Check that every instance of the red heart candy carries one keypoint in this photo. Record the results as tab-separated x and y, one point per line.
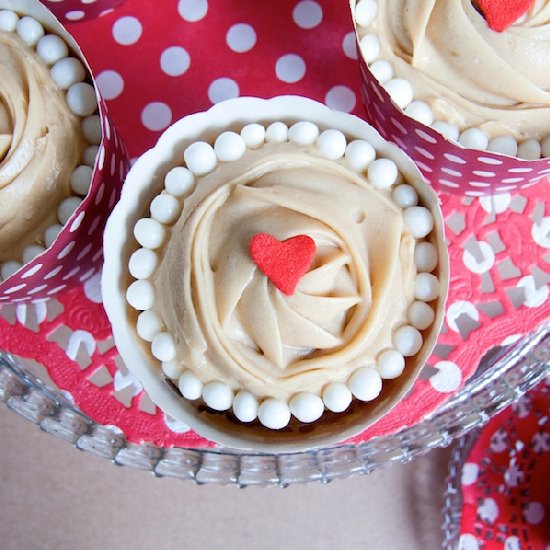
500	14
284	262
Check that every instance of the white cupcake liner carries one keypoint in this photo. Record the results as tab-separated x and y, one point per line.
145	181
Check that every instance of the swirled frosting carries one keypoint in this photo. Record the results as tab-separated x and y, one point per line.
230	324
40	145
468	73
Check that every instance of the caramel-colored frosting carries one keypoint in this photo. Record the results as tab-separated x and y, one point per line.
468	73
40	145
231	324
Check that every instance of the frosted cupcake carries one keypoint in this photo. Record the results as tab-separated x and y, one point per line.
285	278
49	136
474	72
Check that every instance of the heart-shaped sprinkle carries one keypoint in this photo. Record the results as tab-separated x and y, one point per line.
283	262
500	14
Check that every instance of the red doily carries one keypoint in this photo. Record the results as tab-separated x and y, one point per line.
155	64
506	479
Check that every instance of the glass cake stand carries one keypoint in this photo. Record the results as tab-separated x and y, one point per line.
503	376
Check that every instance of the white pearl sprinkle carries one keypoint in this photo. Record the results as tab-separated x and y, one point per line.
390	364
148	325
370	47
425	256
67	208
274	414
172	369
420	315
162	346
382	173
140	295
89	156
405	195
419	221
30	30
229	146
382	70
253	135
51	234
9	268
8	20
245	406
529	150
506	145
545	147
200	158
142	263
426	287
277	132
68	71
365	12
332	144
337	397
31	252
407	340
149	233
51	48
420	111
190	386
81	99
401	91
306	407
165	208
179	181
303	133
217	396
474	138
91	128
359	154
365	384
450	131
81	179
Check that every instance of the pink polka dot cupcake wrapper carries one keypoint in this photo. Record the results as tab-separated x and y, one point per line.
77	252
70	11
447	166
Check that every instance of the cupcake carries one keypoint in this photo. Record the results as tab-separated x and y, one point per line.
454	79
275	281
50	137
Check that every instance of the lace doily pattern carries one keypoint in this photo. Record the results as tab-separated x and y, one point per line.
506	476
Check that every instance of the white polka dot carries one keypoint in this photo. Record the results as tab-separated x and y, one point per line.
307	14
534	513
458	309
290	68
241	37
482	264
349	45
174	61
92	288
341	98
488	510
469	473
192	10
75	15
110	84
468	542
127	30
222	89
448	377
156	116
535	296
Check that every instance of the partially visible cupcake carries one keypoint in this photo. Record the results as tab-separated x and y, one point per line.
475	72
50	137
281	278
